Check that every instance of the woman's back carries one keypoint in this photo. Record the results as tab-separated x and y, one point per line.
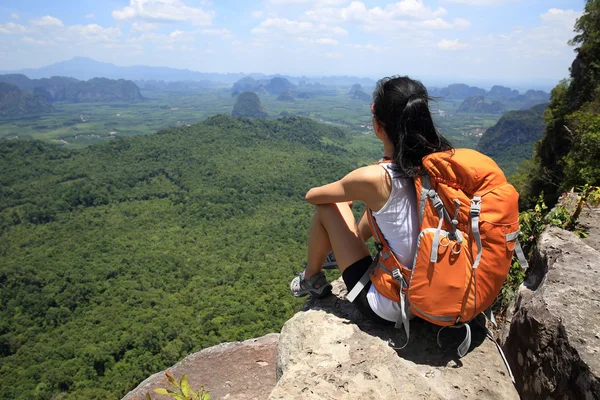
398	218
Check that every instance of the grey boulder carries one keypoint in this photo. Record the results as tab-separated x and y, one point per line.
330	352
553	339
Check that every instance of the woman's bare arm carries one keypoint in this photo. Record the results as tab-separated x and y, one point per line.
370	185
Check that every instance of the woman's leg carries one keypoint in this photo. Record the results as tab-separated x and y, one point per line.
334	227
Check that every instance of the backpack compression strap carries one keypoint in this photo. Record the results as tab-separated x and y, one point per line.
383	250
384	253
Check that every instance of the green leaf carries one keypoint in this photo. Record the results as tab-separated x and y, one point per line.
185	386
161	391
148	396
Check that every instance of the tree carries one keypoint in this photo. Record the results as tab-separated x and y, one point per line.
572	102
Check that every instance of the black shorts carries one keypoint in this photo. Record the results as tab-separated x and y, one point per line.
351	276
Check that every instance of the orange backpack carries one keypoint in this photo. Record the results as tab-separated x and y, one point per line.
469	223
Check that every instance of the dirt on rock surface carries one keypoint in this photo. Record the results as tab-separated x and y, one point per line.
233	371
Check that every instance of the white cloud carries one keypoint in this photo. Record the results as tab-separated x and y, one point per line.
461	23
175	40
290	27
335	55
14	16
144	27
369	47
90	16
316	3
73	34
257	13
402	15
225	33
437	23
566	18
479	2
12	28
358	12
176	33
323	41
47	21
327	41
163	11
36	42
282	24
93	33
448	45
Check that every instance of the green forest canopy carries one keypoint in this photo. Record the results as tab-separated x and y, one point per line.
569	153
119	259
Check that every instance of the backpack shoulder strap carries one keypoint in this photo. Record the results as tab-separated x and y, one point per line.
380	241
425	188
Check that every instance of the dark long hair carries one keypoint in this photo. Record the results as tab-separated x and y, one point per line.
401	104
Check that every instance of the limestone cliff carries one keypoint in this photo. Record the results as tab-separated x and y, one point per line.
59	88
17	103
553	339
248	105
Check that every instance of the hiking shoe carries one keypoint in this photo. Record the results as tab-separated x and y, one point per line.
330	262
317	286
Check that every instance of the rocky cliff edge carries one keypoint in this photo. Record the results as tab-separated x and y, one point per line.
328	351
552	341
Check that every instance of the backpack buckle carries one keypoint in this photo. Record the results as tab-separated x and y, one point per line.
398	276
435	200
475	206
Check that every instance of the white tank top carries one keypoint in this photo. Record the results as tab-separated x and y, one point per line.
399	224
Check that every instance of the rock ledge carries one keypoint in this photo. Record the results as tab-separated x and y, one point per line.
330	352
233	371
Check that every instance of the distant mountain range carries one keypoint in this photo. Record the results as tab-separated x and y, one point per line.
477	104
85	68
511	140
457	91
460	91
357	93
15	102
156	78
75	91
502	99
274	86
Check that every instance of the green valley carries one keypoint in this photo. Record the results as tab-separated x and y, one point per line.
134	233
119	259
153	198
77	125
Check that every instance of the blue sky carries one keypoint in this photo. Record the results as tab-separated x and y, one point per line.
516	42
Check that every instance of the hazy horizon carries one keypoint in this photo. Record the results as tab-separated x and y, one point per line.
428	81
479	42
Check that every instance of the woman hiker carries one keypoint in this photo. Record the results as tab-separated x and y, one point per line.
403	123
